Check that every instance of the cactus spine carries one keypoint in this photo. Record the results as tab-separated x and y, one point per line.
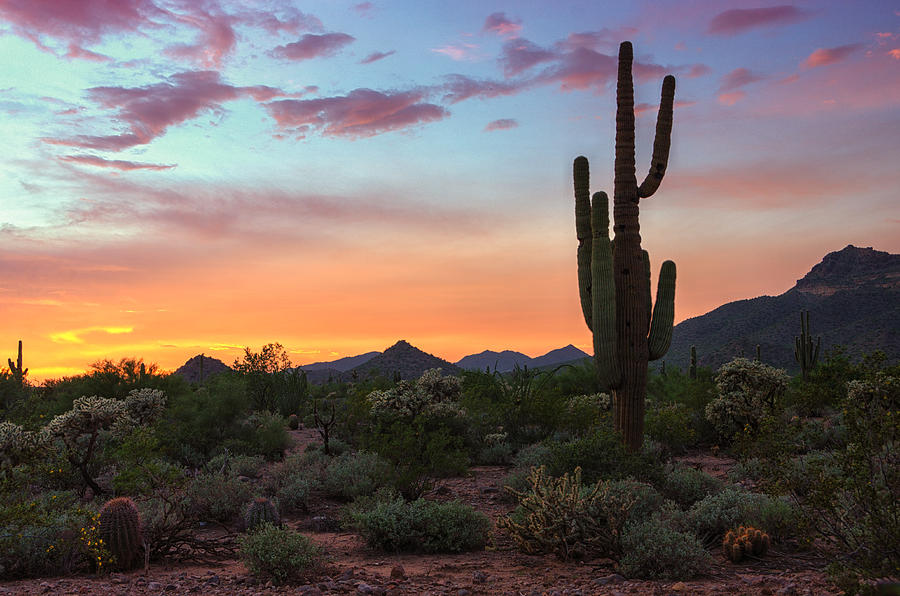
16	369
614	275
804	352
261	511
120	530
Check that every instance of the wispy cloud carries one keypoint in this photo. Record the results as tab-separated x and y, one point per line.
216	36
376	56
459	52
461	87
150	110
502	25
360	113
117	164
519	55
501	124
730	87
74	336
740	20
826	56
313	46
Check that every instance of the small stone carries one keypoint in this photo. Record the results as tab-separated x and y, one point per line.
310	591
154	586
490	490
170	587
463	592
269	584
346	574
788	590
213	581
679	587
606	580
479	577
398	572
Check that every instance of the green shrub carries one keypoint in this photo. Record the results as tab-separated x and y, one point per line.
747	392
496	450
237	465
654	550
396	525
217	497
293	495
278	554
354	474
710	518
620	502
601	456
850	496
265	434
686	486
671	425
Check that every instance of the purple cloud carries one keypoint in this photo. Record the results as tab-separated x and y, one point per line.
313	46
739	20
460	87
376	56
738	78
501	25
501	124
826	56
117	164
519	55
360	113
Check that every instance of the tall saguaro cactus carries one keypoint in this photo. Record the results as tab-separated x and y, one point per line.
805	352
614	275
16	368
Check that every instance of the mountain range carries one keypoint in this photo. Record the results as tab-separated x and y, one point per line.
852	296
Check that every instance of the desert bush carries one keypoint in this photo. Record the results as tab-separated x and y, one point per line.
48	534
293	495
711	517
355	474
671	425
600	455
395	525
851	497
419	427
654	550
279	554
747	392
496	450
217	497
237	465
262	433
687	486
581	413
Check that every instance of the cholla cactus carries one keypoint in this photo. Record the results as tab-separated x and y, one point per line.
261	511
558	517
743	542
18	444
144	406
80	428
120	530
747	391
432	393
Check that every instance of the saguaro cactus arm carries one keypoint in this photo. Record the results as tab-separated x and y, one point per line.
663	312
603	293
581	175
662	142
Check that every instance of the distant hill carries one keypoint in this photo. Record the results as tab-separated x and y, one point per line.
403	359
341	364
852	295
201	364
507	360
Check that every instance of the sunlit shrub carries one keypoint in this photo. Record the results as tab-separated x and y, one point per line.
747	392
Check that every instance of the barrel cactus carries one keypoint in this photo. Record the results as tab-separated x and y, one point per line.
120	530
614	275
743	542
261	511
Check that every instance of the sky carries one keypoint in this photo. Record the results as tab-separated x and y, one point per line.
196	176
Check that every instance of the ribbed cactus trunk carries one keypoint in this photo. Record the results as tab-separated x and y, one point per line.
16	369
614	277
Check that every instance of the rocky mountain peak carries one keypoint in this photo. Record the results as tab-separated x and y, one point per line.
851	268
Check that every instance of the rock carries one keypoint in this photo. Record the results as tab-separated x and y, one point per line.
345	575
788	590
309	591
398	572
170	587
154	586
464	592
679	587
213	581
611	579
479	577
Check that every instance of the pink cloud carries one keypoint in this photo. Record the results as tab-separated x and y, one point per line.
364	8
313	46
729	99
118	164
76	51
288	19
738	78
501	124
582	69
501	25
457	52
148	111
641	108
376	56
360	113
605	38
739	20
895	54
216	38
460	87
698	70
519	55
826	56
